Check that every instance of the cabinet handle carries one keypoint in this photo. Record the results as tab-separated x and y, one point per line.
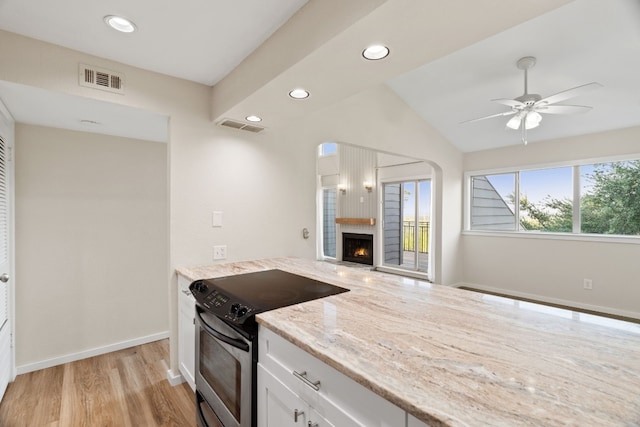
312	425
303	377
296	414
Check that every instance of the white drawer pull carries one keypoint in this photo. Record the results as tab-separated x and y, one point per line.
303	377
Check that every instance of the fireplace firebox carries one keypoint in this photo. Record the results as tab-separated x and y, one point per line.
357	248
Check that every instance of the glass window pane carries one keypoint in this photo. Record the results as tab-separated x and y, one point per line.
546	200
492	202
329	222
424	222
408	225
392	223
610	198
328	148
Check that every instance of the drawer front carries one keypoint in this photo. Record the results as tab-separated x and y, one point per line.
336	391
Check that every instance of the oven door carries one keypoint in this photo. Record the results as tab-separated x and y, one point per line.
224	373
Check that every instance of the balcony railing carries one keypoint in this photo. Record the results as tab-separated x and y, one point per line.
409	236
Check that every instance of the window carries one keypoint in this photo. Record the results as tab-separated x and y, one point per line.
329	222
610	198
600	198
492	206
546	200
327	148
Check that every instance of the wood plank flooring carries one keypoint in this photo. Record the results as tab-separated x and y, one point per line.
126	388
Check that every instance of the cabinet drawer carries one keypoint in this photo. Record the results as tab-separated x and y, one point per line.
336	390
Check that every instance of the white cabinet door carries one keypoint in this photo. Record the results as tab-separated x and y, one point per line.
278	406
186	333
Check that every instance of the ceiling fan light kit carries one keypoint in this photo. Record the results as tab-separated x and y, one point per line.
526	109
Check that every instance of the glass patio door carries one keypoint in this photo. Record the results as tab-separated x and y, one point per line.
407	225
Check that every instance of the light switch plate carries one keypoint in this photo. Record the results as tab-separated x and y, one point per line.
216	219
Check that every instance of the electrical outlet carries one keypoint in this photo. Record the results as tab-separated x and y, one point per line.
588	284
220	252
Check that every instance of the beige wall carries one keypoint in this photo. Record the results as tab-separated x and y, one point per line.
91	241
551	269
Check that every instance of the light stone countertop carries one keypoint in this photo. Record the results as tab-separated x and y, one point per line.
460	358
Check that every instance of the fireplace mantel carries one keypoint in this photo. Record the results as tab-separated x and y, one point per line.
356	221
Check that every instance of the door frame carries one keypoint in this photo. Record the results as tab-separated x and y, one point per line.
7	127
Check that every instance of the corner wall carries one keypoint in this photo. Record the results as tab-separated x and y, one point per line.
90	243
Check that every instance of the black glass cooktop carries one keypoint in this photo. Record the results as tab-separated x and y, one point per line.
238	298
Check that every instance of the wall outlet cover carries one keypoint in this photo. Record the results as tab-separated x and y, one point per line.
220	252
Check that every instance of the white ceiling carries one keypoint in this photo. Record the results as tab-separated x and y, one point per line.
581	42
198	40
203	40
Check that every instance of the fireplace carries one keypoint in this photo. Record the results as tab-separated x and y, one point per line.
357	248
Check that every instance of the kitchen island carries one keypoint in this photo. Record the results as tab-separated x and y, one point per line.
453	357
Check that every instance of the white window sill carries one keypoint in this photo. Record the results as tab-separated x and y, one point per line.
634	240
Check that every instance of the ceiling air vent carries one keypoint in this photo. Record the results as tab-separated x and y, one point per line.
99	78
240	125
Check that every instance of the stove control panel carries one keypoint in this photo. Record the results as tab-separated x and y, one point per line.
220	304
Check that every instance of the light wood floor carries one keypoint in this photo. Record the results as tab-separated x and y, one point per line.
119	389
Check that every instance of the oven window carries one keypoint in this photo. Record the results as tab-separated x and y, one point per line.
222	371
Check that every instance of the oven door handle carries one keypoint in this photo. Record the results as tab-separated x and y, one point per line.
231	341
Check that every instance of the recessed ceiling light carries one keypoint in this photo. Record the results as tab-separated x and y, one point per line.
299	94
253	119
375	52
119	23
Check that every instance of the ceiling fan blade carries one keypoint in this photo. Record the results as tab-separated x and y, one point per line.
569	93
509	102
516	120
506	113
562	109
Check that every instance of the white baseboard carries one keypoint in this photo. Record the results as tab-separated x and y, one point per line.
30	367
557	301
174	378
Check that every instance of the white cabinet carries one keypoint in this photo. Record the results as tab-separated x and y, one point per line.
286	382
278	406
281	407
186	332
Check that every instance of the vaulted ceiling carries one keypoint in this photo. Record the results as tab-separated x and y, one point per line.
448	59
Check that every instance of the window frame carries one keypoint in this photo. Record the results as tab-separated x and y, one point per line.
576	233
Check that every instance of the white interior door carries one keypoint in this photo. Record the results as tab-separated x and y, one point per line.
6	248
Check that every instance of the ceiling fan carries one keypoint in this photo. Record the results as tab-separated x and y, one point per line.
527	108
